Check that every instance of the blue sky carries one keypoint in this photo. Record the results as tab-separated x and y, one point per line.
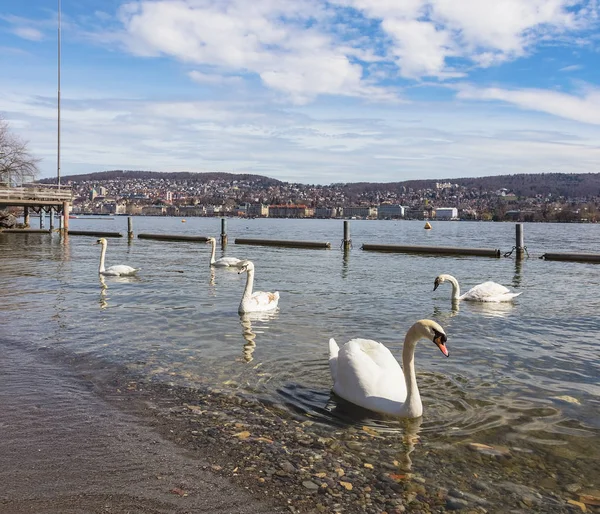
306	90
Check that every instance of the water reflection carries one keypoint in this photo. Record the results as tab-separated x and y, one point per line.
442	315
248	332
211	282
345	263
517	277
249	336
103	287
491	309
378	425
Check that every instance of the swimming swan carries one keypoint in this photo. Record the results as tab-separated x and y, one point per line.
223	262
258	301
486	292
365	372
113	271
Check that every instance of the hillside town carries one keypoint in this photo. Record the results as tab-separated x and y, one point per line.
157	194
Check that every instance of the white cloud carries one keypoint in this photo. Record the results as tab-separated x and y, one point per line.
308	48
28	33
573	67
213	78
584	108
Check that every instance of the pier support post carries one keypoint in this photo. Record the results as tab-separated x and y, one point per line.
223	232
42	218
129	228
347	242
51	219
65	216
519	244
26	219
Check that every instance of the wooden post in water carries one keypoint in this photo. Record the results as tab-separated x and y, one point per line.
520	246
51	219
347	241
26	219
129	228
42	218
65	216
223	232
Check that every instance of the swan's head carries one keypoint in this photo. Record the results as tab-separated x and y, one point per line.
245	266
433	331
440	279
210	240
102	241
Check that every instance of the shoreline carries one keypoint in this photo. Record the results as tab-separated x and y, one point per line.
169	448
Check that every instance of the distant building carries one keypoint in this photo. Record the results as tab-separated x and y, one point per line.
327	212
257	210
290	211
360	212
446	213
387	211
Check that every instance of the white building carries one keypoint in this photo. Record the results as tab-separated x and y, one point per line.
386	210
446	213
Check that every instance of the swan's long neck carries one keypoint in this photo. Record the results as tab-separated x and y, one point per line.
101	268
412	407
249	285
455	287
212	253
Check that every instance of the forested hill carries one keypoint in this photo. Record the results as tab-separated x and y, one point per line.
570	185
182	175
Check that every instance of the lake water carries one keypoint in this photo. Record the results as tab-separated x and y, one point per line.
524	373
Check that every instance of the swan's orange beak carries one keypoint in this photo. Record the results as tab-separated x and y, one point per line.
440	341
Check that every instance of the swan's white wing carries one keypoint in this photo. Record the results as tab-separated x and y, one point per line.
488	292
334	349
227	261
120	269
262	300
366	372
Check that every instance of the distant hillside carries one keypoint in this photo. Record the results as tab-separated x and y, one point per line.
558	184
183	175
570	185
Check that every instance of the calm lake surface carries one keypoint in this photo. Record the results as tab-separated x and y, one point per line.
524	373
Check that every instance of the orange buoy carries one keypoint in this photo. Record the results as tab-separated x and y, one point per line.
427	226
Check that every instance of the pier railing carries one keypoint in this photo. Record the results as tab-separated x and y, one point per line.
36	193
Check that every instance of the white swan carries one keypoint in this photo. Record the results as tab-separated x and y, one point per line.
259	301
223	262
365	372
486	292
114	271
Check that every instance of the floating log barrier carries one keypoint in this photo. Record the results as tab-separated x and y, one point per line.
439	250
173	237
285	243
576	257
93	233
24	231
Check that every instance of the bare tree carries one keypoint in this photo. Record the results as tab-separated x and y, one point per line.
17	165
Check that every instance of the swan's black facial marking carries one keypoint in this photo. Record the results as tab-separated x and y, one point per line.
440	340
436	283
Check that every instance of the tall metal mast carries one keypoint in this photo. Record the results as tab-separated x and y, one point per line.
58	120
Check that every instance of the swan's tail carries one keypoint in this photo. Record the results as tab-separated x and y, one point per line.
333	358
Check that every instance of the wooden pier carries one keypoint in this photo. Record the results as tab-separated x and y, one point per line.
40	199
